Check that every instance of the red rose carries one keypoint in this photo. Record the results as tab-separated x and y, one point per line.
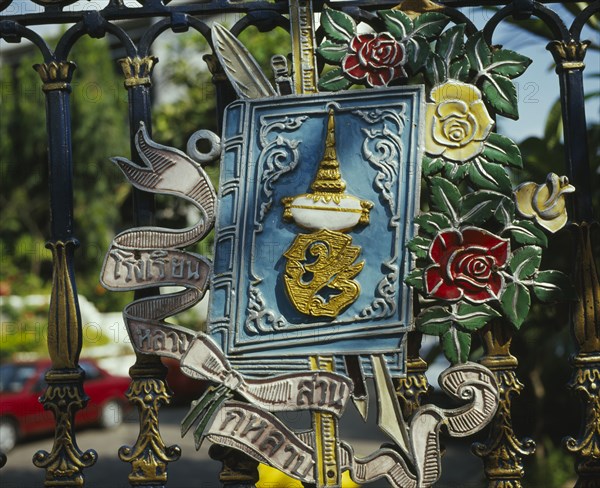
376	57
466	265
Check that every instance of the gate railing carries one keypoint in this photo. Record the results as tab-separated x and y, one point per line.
503	451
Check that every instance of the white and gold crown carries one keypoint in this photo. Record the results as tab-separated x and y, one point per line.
328	206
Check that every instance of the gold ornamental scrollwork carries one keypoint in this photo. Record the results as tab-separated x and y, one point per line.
64	395
586	382
56	75
568	55
64	323
502	452
149	456
333	269
137	71
65	463
413	388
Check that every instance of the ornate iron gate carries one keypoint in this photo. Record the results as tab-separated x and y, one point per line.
464	181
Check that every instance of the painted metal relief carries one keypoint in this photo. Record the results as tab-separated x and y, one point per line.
316	253
296	272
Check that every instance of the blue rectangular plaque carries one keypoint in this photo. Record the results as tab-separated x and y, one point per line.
317	198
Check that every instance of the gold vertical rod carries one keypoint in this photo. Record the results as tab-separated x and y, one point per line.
303	46
325	435
305	81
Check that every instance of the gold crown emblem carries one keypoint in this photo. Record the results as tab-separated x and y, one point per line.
327	206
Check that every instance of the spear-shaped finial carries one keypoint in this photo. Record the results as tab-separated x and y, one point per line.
329	178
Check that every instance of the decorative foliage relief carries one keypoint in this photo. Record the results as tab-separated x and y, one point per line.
278	155
479	246
382	147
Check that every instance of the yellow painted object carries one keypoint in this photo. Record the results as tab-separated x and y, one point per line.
272	478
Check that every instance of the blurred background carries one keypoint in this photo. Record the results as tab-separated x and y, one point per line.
184	101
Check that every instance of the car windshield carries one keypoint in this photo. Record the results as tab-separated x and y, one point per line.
14	376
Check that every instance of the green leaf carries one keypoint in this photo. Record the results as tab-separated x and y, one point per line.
479	206
430	24
525	262
501	94
338	25
478	52
515	303
436	70
526	232
332	51
455	172
505	213
451	43
334	80
415	279
500	149
417	52
445	197
474	317
508	63
459	69
420	246
431	166
456	345
434	321
553	286
490	176
432	223
397	23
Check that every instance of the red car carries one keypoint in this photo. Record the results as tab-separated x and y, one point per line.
21	414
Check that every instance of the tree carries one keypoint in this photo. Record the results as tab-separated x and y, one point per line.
98	114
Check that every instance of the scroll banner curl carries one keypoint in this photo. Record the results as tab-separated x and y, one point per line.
263	437
148	257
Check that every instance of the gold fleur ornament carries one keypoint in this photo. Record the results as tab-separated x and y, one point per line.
546	203
457	122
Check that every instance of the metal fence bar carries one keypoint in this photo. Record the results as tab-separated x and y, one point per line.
569	56
149	456
64	394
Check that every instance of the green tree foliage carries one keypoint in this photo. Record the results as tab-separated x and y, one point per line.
99	129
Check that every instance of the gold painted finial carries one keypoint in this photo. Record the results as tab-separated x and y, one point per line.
414	8
329	178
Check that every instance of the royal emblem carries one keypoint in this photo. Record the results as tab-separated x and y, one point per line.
321	266
317	196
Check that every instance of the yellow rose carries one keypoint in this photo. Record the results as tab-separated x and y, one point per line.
457	122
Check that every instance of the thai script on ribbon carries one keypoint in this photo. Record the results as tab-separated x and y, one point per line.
263	437
151	256
201	358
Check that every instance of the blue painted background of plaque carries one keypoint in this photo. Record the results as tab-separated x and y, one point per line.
271	150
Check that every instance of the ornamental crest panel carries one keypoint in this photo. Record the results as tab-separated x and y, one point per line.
317	198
